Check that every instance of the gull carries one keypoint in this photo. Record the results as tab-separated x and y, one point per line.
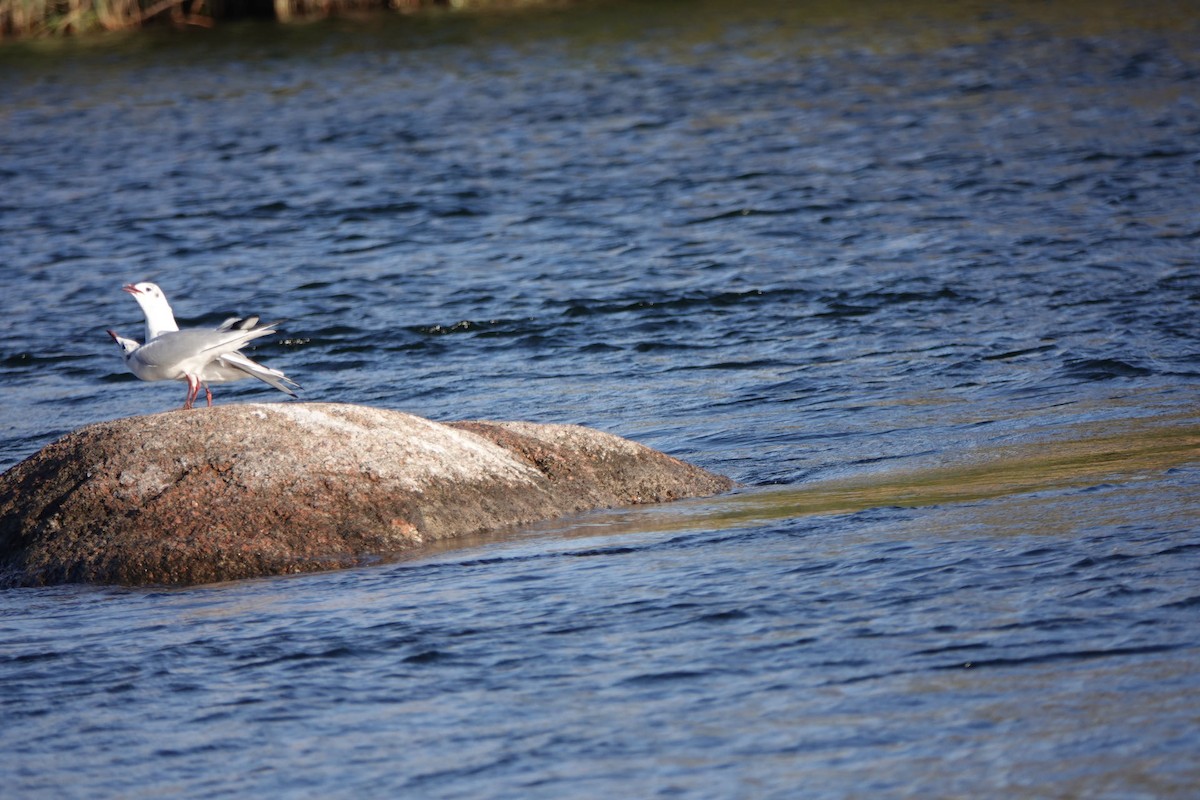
218	362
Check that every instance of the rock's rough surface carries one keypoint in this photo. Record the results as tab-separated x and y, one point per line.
247	490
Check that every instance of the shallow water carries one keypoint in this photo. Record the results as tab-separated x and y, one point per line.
924	282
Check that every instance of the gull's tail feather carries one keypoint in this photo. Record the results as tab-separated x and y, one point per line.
265	374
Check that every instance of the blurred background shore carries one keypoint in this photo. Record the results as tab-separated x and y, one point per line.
39	18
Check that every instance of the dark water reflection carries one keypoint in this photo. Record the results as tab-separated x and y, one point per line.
923	278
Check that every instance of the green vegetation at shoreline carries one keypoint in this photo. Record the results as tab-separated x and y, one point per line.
39	18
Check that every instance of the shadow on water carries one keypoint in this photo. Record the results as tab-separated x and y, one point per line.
1043	487
1102	454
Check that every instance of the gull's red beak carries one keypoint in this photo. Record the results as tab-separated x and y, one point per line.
129	287
113	334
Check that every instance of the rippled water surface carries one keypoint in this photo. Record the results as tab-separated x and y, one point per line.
923	279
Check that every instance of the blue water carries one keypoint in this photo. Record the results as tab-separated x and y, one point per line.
799	246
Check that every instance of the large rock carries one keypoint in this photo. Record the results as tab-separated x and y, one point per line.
244	490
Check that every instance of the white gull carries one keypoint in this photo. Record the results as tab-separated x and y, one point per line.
207	356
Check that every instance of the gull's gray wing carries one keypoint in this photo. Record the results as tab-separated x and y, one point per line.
175	347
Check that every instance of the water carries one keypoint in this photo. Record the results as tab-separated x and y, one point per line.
923	280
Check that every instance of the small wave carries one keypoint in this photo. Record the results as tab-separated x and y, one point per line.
744	212
654	678
1071	655
426	657
1102	369
1190	602
1018	353
585	307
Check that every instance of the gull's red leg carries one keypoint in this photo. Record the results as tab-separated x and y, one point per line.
193	390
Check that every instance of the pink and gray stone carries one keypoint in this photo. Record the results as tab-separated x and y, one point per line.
239	491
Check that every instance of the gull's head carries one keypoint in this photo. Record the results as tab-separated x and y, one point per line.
154	305
145	292
127	345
